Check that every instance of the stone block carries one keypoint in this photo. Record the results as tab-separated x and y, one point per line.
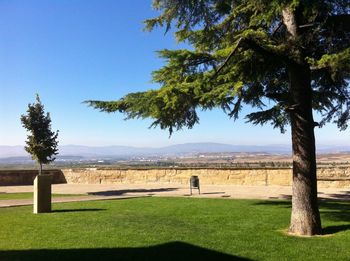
42	194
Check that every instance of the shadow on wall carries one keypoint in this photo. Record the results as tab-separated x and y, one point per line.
58	177
125	191
169	251
26	177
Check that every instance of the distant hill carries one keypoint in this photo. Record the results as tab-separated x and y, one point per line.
218	147
12	151
180	149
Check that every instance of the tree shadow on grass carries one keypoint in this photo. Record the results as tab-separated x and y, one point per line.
78	210
125	191
330	209
343	196
336	211
335	229
169	251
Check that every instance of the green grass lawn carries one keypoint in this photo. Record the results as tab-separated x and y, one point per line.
170	229
29	195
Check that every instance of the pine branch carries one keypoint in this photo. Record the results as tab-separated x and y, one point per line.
276	29
227	58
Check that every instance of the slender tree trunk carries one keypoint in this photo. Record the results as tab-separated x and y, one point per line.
305	218
40	168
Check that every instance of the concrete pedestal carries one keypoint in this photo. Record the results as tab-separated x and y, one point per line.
42	194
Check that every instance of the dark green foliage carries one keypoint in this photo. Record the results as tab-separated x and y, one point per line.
41	141
241	55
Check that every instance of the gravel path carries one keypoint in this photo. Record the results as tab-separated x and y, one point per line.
122	191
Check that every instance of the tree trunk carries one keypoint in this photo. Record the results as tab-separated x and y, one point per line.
305	218
40	168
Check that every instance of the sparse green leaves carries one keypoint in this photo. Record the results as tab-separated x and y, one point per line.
277	116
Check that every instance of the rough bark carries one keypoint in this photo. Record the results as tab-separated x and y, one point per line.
305	218
290	22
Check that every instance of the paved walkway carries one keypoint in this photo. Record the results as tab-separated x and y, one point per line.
120	191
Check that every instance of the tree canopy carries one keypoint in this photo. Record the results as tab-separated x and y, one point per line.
282	58
41	141
240	54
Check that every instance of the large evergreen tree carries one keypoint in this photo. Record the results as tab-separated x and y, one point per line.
284	58
41	141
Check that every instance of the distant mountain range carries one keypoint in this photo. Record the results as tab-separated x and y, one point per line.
180	149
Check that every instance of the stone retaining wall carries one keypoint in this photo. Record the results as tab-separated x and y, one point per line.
337	177
26	177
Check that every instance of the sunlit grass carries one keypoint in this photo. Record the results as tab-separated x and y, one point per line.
170	229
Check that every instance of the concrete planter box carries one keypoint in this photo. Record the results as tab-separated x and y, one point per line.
42	194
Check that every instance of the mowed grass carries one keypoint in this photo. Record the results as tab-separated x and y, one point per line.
170	229
29	195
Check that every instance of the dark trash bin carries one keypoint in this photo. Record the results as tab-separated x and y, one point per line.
194	183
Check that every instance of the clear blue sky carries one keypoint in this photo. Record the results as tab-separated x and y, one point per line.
69	51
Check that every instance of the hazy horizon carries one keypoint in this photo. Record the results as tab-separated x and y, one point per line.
185	143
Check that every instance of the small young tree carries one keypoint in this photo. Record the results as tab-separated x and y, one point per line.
41	141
